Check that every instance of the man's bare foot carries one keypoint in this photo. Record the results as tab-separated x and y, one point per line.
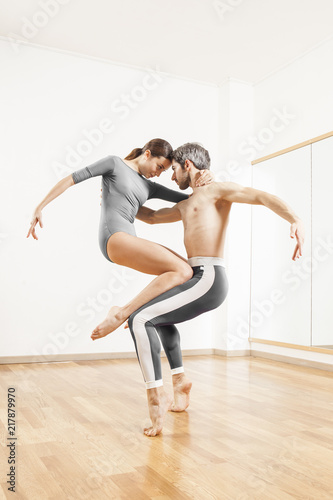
159	403
181	389
112	321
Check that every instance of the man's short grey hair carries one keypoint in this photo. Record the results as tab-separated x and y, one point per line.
195	152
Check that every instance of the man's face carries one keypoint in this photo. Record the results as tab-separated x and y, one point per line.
180	175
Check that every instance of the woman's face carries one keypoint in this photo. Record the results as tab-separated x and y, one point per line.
153	166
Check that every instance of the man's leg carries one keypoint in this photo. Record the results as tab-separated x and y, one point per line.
170	339
158	403
205	291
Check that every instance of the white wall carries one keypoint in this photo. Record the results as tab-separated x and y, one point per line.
302	93
292	106
57	289
236	122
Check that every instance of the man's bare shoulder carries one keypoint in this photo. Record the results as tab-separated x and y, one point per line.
213	192
222	190
216	190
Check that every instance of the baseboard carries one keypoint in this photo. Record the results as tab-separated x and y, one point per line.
309	348
195	352
229	354
58	358
291	360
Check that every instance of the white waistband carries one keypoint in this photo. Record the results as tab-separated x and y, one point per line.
206	261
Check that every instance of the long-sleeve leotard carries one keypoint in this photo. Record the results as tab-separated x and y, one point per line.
124	191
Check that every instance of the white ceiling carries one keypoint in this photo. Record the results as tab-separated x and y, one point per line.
249	40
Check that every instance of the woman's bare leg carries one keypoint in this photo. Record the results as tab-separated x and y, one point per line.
149	258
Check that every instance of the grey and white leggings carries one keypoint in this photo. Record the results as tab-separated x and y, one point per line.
156	320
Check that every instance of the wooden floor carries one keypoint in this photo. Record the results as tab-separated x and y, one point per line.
255	429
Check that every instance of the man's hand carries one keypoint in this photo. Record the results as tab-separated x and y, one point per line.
36	218
297	229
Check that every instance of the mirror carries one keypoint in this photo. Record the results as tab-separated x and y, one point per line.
280	307
322	243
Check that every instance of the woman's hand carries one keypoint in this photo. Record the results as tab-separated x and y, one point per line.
203	178
37	217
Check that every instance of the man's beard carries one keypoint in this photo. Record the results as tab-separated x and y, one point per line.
184	184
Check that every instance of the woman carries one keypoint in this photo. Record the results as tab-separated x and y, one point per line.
125	188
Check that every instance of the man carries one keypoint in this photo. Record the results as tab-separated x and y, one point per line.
205	216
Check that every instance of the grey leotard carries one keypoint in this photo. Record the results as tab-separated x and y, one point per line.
124	191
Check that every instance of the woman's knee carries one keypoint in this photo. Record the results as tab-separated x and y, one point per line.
185	273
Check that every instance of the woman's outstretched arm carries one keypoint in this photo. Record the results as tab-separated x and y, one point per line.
100	167
57	190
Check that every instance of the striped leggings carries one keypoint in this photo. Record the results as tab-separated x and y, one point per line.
155	322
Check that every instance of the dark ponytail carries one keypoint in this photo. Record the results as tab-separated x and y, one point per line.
157	147
134	154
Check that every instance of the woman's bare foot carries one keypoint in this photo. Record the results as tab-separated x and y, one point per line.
112	321
159	403
181	389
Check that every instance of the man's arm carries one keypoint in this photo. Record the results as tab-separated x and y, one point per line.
164	215
236	193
